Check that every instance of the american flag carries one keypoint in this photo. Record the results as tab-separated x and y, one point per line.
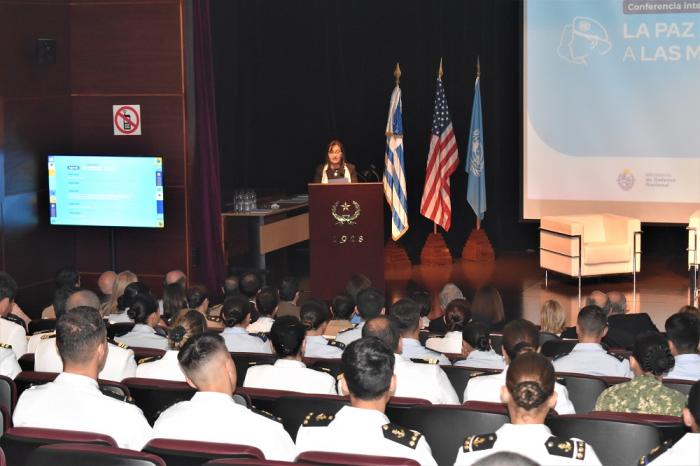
442	162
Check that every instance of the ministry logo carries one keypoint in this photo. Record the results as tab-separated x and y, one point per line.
625	180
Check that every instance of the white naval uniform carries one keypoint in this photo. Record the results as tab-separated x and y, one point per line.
13	334
34	340
165	368
318	347
144	336
348	336
488	388
450	343
364	432
427	381
687	367
483	360
288	374
413	349
119	317
215	417
9	367
592	359
535	441
684	451
120	362
75	402
262	325
238	340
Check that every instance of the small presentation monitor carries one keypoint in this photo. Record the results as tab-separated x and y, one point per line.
109	191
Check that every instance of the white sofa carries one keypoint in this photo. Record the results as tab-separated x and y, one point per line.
694	240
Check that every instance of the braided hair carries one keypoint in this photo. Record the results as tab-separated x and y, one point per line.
530	380
652	353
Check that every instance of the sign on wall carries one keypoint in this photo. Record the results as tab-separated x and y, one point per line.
127	120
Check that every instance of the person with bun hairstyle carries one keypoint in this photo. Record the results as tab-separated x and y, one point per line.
124	302
529	393
520	336
457	315
235	314
651	358
167	367
143	310
314	315
476	348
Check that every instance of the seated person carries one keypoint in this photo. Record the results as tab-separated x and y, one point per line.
457	314
68	278
266	303
449	293
552	321
615	337
487	307
425	304
73	401
212	415
368	304
249	285
289	297
588	356
122	280
174	302
124	302
368	367
651	359
198	300
477	348
342	308
628	324
520	336
11	333
529	394
58	308
167	367
288	372
314	316
407	316
683	332
236	317
143	310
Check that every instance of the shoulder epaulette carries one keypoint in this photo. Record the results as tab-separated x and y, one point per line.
111	394
406	437
148	359
560	355
41	332
568	448
325	370
318	419
216	319
479	442
655	452
266	414
425	361
117	343
5	345
617	356
261	335
337	344
354	326
48	335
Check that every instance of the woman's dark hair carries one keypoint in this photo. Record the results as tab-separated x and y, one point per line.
174	300
196	295
530	380
357	283
652	353
477	335
423	300
267	300
142	306
520	336
457	313
287	334
60	297
488	304
313	314
185	327
342	306
235	310
131	291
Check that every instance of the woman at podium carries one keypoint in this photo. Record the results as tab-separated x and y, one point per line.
336	169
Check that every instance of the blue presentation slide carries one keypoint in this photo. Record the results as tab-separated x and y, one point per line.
116	191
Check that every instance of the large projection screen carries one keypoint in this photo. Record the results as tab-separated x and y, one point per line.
611	108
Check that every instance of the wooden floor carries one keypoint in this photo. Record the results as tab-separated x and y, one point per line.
662	285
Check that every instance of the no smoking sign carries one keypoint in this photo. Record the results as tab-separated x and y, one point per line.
127	120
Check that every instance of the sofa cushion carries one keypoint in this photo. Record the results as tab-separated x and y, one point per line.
605	253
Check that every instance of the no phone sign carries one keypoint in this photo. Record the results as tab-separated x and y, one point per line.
127	120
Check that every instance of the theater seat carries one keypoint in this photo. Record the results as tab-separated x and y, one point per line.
40	325
191	453
487	407
347	459
681	385
118	329
140	352
249	462
264	398
553	348
670	427
26	362
90	455
397	404
243	361
8	393
293	409
459	376
329	366
154	396
3	460
583	390
26	379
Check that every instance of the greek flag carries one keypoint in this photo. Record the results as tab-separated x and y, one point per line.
476	184
394	179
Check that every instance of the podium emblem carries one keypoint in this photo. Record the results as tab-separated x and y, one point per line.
346	213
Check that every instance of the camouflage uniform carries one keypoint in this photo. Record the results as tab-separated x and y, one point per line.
643	394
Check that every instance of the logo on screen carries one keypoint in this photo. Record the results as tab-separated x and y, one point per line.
582	38
625	180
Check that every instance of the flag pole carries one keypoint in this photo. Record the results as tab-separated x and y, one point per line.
440	73
478	75
397	73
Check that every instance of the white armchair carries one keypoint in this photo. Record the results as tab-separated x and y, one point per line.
694	253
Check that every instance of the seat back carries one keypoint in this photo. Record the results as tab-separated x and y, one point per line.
681	385
243	361
552	348
329	366
26	362
140	352
670	427
155	396
398	404
192	453
119	328
8	393
40	325
92	455
349	459
263	398
459	376
26	379
293	409
496	342
583	390
248	462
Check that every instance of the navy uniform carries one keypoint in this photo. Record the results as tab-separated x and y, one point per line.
164	368
423	379
9	367
262	325
144	336
412	349
483	360
318	347
684	451
687	367
292	375
593	359
364	432
119	317
534	441
238	340
349	335
14	335
450	343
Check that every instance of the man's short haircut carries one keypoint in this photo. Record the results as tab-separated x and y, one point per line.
592	320
287	334
357	283
288	289
78	334
694	401
683	329
250	283
503	458
231	286
368	366
423	300
599	299
342	306
198	352
266	301
618	302
407	315
386	329
66	277
82	297
60	298
196	296
8	286
370	303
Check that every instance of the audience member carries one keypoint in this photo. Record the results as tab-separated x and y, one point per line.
143	310
449	293
125	301
266	303
690	309
314	316
615	337
683	332
66	277
82	298
212	415
73	401
552	321
628	324
289	298
520	336
505	458
357	283
425	304
342	308
588	356
120	283
250	284
198	300
231	286
288	372
362	427
651	359
11	333
369	304
105	283
487	307
175	276
407	316
457	314
174	302
236	317
529	393
477	348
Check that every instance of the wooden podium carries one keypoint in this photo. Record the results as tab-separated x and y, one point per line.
346	230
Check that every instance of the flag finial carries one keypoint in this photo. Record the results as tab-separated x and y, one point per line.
397	73
440	73
478	67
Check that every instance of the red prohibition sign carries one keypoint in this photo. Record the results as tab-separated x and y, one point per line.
135	122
